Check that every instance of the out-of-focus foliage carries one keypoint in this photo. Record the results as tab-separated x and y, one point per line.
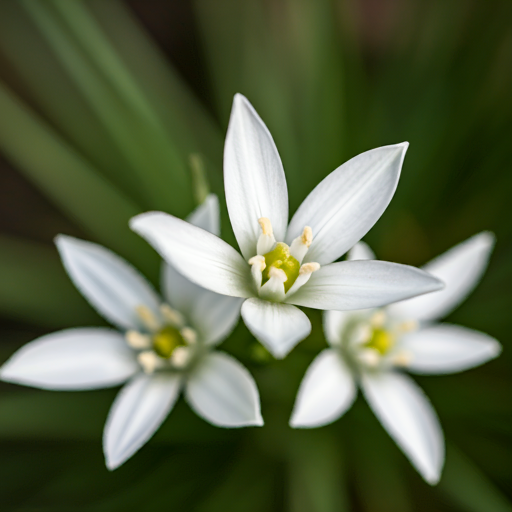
101	126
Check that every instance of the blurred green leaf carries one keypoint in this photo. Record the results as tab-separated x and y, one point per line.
36	289
69	180
151	154
317	477
468	487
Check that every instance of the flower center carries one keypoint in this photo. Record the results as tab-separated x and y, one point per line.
381	341
166	340
281	258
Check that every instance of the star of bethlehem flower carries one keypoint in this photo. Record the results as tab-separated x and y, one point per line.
283	266
160	347
373	347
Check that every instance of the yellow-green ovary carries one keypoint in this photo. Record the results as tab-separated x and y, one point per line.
280	257
381	341
166	340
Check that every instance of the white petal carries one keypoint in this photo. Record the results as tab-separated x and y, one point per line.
207	215
460	268
253	178
349	285
361	251
214	316
137	412
200	256
73	359
407	415
326	392
107	281
346	204
278	326
448	348
224	393
335	323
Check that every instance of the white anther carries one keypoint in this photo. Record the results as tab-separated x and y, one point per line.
304	274
278	273
137	340
257	267
378	319
273	289
258	261
266	240
362	334
189	335
402	358
266	226
369	357
149	361
149	319
301	244
309	268
408	326
181	357
171	316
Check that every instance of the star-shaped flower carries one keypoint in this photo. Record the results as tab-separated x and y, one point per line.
283	266
372	348
159	347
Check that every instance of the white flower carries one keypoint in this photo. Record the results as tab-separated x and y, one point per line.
160	348
372	347
284	265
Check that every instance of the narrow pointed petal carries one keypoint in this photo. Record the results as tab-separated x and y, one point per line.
73	359
137	412
346	204
224	393
460	268
277	326
350	285
112	286
406	413
335	322
253	178
361	251
448	348
200	256
326	392
207	215
215	316
178	291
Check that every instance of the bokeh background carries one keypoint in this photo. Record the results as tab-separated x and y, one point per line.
102	104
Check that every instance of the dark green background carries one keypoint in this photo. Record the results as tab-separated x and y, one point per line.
101	105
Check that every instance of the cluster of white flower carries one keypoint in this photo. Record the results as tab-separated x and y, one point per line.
374	324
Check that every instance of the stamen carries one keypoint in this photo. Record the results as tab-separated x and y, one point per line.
258	261
181	357
266	226
402	358
307	236
408	326
257	267
301	244
278	273
149	361
362	334
150	321
189	335
309	268
266	240
305	272
172	316
369	357
378	319
137	340
273	289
